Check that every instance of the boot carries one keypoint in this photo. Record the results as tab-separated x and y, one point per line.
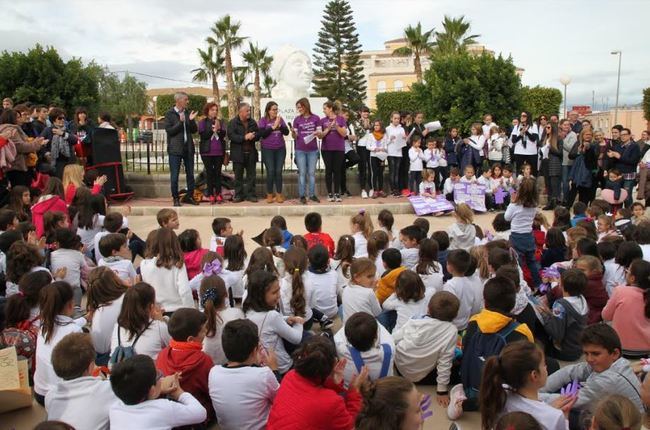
550	205
279	198
269	198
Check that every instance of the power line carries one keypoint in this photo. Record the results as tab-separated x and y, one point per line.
152	76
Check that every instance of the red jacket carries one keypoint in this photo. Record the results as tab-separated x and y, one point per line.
54	203
320	238
303	404
71	190
188	358
193	262
596	296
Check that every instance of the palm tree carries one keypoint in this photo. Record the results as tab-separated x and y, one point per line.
258	63
225	35
241	83
212	66
417	44
454	39
268	83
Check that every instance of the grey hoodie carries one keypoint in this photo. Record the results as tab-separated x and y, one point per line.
461	236
618	379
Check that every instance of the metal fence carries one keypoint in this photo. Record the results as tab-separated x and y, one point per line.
148	155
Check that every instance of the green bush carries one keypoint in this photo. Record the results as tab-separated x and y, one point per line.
395	101
165	102
541	100
646	104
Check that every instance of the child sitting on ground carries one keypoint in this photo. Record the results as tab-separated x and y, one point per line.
281	223
117	257
168	218
461	286
314	235
79	399
243	389
579	213
410	298
614	274
425	347
462	232
184	355
364	342
410	237
604	372
606	227
221	229
595	293
323	281
361	227
135	382
448	187
359	295
392	260
428	185
638	213
193	252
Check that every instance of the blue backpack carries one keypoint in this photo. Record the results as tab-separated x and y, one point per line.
121	353
385	364
481	347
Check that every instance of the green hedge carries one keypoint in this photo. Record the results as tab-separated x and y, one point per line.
541	100
395	101
646	103
165	102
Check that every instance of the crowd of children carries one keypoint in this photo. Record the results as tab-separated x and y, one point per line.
246	337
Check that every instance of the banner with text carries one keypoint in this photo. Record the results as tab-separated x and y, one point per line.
471	194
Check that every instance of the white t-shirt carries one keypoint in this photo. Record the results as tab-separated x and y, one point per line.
83	402
416	159
286	292
151	342
272	329
325	292
359	299
87	235
463	288
410	257
433	280
396	140
613	276
45	378
521	218
341	280
98	255
550	418
372	359
171	285
406	311
212	345
73	261
531	147
427	187
360	245
122	267
103	324
158	414
242	396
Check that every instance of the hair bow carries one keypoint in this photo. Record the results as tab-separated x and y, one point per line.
211	294
212	268
362	211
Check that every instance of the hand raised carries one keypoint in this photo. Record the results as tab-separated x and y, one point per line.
193	115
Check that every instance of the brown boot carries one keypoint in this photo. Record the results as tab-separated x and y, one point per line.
279	198
269	198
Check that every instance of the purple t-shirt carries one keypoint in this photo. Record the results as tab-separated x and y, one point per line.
216	148
304	127
275	140
333	141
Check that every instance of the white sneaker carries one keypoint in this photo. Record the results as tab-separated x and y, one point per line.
371	193
364	194
456	399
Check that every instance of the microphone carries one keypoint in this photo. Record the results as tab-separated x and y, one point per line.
289	124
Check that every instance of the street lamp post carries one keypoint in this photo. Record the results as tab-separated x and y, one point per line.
618	83
155	112
565	80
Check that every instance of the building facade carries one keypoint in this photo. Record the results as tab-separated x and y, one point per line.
628	118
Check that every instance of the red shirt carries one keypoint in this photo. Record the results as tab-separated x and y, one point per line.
320	238
193	262
303	404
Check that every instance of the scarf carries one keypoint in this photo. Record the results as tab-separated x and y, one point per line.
59	146
378	135
186	346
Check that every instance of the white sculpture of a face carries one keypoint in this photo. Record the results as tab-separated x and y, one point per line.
292	72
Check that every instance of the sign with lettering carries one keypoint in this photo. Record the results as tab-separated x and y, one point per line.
472	195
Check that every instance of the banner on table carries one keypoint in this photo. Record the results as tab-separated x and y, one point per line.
471	194
426	205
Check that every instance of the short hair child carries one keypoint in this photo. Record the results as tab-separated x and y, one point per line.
499	294
392	258
132	379
73	356
111	244
442	238
459	261
386	219
574	282
443	306
239	340
361	331
616	412
167	218
8	219
313	222
186	323
499	223
219	226
422	224
113	222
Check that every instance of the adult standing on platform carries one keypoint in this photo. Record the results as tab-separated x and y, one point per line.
243	133
179	125
625	158
274	151
525	136
304	135
333	130
213	150
364	134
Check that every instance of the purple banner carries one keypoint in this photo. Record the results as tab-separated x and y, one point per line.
425	205
472	195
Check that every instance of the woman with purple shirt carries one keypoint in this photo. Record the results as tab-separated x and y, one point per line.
212	149
333	130
272	131
304	135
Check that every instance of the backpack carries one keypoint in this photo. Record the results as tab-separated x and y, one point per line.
481	347
385	364
121	353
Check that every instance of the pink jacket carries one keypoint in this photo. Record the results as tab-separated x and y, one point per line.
54	203
626	311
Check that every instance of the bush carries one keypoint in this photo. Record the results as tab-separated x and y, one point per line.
166	101
459	89
395	101
541	100
646	104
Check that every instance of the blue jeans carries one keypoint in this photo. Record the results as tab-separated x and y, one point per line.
274	161
306	161
175	170
628	184
388	319
565	182
524	244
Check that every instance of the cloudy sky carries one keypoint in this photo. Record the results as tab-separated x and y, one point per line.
547	38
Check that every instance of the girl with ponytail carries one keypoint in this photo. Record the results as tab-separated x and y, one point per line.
362	228
629	310
57	308
343	258
296	298
377	243
390	403
213	299
521	367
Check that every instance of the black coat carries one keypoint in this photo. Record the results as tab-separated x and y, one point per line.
206	135
236	132
178	141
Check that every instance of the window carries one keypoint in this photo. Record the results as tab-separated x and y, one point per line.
398	85
381	86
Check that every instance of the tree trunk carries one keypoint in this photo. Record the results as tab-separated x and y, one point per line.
257	95
230	86
418	67
215	90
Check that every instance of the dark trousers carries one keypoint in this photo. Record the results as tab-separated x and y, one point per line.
524	244
334	164
175	169
377	174
273	160
351	160
554	187
402	181
585	194
245	187
414	181
213	165
528	159
394	165
364	168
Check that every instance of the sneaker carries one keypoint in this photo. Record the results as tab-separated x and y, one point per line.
371	193
330	197
364	194
454	426
212	199
303	200
405	192
314	199
219	199
326	323
252	199
457	397
337	198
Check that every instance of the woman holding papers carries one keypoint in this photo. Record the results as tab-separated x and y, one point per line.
304	133
377	145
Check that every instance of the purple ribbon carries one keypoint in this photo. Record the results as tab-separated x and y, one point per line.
571	389
425	405
213	268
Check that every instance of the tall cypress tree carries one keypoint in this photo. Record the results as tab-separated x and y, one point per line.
338	71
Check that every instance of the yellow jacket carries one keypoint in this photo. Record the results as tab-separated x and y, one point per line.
492	322
386	285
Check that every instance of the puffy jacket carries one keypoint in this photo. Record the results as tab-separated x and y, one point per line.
18	138
386	285
488	322
303	404
53	203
